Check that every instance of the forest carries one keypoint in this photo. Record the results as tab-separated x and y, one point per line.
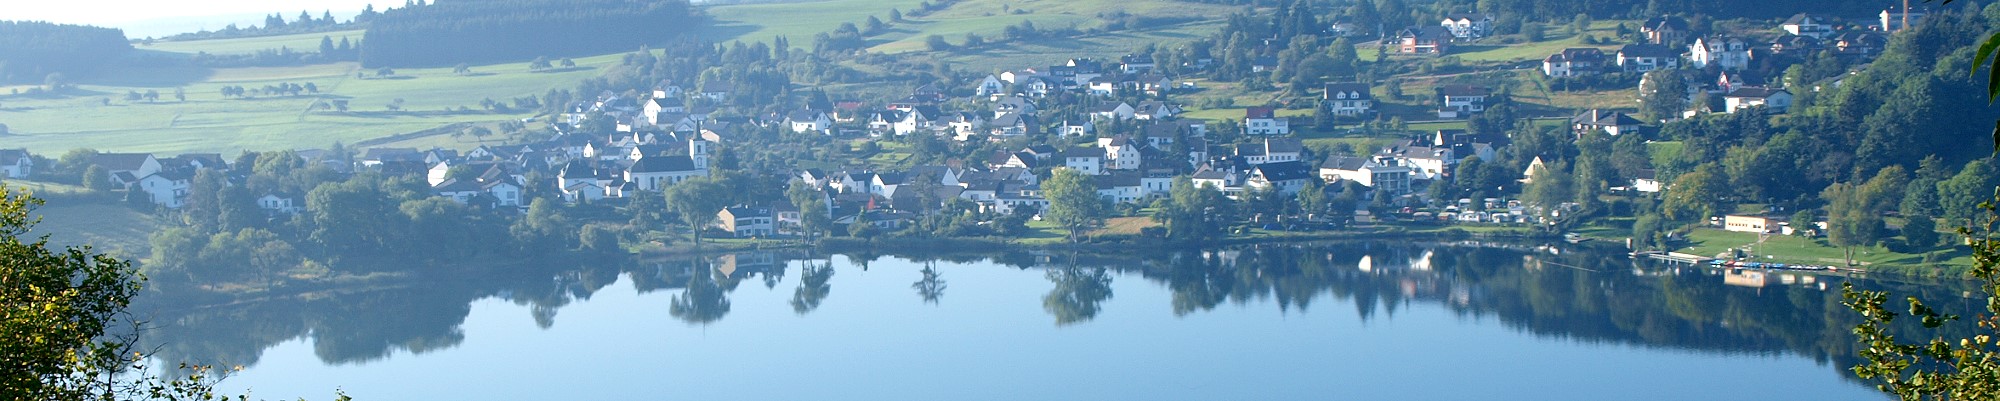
446	33
33	52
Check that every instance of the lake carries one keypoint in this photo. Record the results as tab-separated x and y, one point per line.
1324	321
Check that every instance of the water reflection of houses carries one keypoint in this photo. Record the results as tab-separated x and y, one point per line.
1760	279
731	265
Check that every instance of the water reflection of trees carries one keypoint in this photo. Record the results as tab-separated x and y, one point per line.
1078	294
931	287
814	286
360	324
1598	297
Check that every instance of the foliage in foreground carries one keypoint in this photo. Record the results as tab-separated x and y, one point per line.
1940	368
59	310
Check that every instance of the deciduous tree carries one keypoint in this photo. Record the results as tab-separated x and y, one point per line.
1073	201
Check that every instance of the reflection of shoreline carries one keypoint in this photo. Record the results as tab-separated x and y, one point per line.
1603	299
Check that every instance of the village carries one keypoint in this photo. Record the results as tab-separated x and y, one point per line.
1121	125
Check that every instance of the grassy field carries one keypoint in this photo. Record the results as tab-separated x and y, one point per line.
1055	51
797	21
308	42
989	17
108	227
1554	40
1664	152
1794	249
96	114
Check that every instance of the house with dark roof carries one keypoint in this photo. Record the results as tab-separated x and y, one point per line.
1271	150
1726	52
1348	99
1774	100
377	156
1611	122
16	163
1468	26
1424	40
1383	176
1265	121
1014	125
1288	177
1119	111
655	173
1154	110
1226	179
1574	62
126	168
1665	31
1086	160
803	121
745	221
1461	101
167	188
278	203
1809	25
1119	186
1647	57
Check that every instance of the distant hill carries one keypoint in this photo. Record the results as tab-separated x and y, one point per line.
31	51
448	32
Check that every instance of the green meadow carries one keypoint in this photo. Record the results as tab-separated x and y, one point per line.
300	42
97	115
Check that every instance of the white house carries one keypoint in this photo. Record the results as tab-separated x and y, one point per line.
1461	101
1271	150
1386	179
917	119
1264	121
1646	182
655	173
1425	163
747	221
1775	101
16	163
1225	180
1347	99
1121	187
989	86
1288	177
1647	57
165	188
280	204
804	121
1013	105
1120	111
1468	25
1803	24
1078	128
1121	152
1154	110
1576	61
1611	122
126	168
1085	160
1728	52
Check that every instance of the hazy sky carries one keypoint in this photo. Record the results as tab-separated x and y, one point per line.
160	17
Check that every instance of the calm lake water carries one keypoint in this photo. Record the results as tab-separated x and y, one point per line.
1341	321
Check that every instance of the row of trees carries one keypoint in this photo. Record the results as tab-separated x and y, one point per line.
31	51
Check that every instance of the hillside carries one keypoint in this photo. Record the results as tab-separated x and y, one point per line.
1137	24
96	114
